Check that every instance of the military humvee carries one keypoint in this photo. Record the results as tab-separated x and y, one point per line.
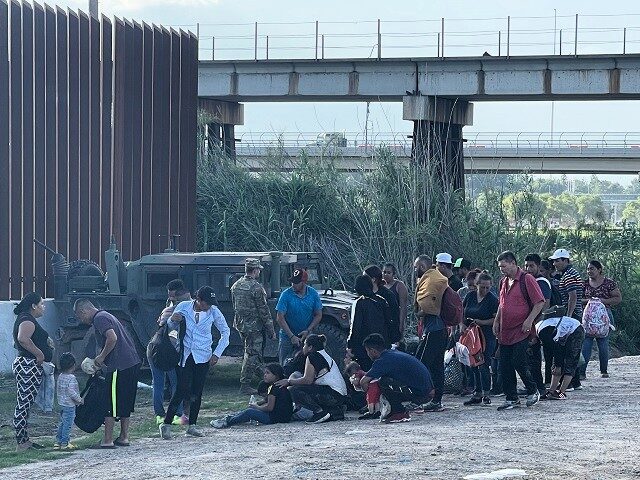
135	292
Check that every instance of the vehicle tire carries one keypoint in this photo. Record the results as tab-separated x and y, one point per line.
336	345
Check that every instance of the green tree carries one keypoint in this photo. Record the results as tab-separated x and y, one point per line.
591	209
631	212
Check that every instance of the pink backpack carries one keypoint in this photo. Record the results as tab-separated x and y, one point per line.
595	319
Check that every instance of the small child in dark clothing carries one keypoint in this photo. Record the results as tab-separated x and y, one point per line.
277	409
356	373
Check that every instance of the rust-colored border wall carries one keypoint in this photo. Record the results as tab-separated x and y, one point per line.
97	138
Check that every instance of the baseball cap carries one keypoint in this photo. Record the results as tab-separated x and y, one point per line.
462	262
298	276
444	258
253	263
560	253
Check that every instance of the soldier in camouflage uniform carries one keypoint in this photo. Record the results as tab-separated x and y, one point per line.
252	320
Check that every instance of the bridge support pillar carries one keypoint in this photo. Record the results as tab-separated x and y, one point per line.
220	119
437	135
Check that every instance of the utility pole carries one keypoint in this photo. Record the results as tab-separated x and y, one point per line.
555	27
93	8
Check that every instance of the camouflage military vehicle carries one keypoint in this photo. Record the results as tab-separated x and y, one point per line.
135	292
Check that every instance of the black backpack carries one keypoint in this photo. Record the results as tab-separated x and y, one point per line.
90	415
162	352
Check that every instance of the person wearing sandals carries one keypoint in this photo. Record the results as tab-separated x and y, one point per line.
34	347
605	289
565	336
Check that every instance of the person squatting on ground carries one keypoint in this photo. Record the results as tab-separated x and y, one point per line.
176	293
607	291
277	409
119	361
564	336
480	308
430	288
355	373
69	397
252	320
520	303
34	347
298	311
321	388
400	378
369	314
199	315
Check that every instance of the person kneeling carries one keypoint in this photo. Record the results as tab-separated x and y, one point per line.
565	337
277	409
401	378
355	373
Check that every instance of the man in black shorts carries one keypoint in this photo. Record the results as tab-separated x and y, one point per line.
120	362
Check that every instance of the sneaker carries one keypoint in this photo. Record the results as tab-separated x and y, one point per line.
369	416
433	407
578	387
319	417
56	446
509	405
486	400
570	389
219	423
556	396
605	375
363	410
398	417
176	420
68	446
184	420
385	407
473	401
159	419
165	431
533	399
194	431
522	392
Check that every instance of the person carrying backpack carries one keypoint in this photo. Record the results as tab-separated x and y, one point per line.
520	304
430	289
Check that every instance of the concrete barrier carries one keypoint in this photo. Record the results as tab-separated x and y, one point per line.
49	322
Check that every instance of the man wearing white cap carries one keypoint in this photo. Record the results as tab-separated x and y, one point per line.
444	264
570	285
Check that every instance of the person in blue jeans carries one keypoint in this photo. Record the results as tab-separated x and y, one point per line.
480	308
277	409
68	397
298	311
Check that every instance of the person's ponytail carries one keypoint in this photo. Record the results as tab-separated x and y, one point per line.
317	342
27	302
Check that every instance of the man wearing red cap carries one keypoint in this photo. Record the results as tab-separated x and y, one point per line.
299	311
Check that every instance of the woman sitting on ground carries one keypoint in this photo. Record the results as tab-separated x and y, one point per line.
321	388
605	289
277	409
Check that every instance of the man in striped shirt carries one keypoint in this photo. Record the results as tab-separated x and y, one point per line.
571	284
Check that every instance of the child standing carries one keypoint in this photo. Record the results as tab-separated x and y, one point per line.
356	373
68	397
277	409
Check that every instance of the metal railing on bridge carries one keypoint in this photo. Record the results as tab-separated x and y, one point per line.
444	37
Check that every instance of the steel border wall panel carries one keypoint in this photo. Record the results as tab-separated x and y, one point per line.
174	129
118	133
137	203
5	198
95	132
40	204
185	88
62	131
16	150
192	119
83	141
51	168
147	128
127	137
27	148
106	70
74	134
156	180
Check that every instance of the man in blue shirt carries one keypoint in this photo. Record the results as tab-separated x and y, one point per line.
401	377
298	311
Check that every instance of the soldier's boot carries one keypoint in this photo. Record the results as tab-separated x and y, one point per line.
246	389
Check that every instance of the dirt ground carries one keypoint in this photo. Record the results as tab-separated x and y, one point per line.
594	435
